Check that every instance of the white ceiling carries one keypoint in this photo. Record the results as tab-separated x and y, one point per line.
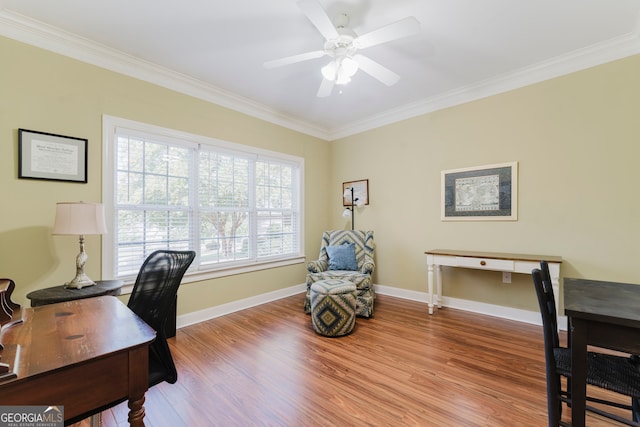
467	49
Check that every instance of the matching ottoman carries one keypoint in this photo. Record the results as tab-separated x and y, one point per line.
333	307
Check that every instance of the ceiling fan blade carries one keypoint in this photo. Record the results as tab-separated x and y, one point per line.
325	88
403	28
376	70
318	18
293	59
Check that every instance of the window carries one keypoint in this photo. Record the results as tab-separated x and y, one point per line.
236	206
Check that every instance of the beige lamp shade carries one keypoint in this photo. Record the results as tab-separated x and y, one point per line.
79	218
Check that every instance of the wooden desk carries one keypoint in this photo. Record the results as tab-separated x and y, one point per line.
61	294
81	354
603	314
513	263
102	287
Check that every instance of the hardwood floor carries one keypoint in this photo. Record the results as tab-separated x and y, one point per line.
265	366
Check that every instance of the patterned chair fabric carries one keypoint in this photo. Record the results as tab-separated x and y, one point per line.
333	307
319	269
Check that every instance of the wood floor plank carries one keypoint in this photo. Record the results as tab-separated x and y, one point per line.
265	366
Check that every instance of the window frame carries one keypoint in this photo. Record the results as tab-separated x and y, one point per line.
197	272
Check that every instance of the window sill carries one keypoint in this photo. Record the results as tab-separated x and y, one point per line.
198	276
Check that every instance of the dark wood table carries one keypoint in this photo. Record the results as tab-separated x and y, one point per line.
61	294
602	314
82	355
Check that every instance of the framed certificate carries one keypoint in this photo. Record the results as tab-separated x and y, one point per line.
52	157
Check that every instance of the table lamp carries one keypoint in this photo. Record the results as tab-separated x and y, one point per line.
79	218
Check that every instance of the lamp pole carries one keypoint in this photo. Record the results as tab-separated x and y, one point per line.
353	211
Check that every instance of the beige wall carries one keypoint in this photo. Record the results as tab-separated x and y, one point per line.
42	91
575	138
577	141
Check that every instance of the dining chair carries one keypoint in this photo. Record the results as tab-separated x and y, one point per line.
152	297
615	373
9	310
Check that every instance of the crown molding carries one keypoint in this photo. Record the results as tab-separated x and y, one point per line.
21	28
591	56
26	30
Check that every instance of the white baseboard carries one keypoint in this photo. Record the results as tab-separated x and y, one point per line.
526	316
519	315
221	310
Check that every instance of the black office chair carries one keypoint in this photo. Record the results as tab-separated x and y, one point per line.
152	298
614	373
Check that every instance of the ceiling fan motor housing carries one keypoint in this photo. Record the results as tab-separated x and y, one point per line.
341	49
340	46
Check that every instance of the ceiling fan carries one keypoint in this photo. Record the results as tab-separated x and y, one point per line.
342	45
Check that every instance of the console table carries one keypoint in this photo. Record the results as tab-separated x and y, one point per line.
494	261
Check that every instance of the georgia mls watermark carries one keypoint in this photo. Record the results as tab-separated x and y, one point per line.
31	416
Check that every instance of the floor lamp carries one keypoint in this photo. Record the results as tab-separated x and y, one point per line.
355	201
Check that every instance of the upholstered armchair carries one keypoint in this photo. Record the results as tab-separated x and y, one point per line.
332	264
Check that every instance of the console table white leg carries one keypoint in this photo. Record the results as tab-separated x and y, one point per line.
430	285
554	272
439	285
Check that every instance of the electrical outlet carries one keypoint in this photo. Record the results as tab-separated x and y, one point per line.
506	277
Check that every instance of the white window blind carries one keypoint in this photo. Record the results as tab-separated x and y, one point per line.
152	199
234	207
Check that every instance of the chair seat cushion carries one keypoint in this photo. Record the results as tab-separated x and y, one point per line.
333	287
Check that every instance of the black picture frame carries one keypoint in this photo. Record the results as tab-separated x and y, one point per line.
51	157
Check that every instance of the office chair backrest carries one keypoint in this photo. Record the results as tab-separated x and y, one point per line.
157	285
152	297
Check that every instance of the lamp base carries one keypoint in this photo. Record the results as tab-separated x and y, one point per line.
80	281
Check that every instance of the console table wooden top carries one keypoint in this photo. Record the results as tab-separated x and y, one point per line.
494	255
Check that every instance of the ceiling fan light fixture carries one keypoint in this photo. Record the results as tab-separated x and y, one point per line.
343	79
329	71
348	66
340	70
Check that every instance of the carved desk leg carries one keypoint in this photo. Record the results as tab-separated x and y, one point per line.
136	412
138	384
